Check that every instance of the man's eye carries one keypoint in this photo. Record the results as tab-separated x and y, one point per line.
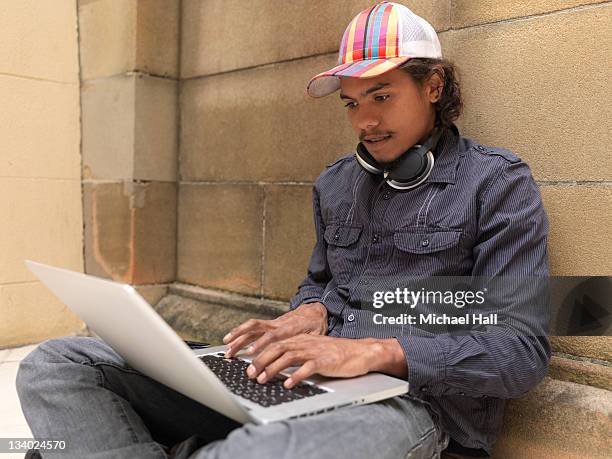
350	105
382	97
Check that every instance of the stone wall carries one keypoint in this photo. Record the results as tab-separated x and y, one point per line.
40	178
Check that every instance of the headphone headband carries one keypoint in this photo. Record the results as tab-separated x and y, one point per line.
430	143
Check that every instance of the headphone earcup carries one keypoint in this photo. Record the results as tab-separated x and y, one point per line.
410	171
367	161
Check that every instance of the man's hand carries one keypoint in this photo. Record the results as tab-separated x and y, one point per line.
327	356
307	318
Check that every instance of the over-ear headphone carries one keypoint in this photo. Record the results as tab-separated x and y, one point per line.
408	171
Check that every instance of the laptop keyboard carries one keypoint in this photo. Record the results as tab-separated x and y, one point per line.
233	374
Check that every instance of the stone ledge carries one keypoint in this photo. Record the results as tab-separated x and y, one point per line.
234	300
207	315
204	321
558	419
592	347
581	372
152	293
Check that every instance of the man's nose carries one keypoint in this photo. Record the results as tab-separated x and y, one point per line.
367	120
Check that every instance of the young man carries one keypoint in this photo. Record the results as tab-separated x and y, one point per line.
450	208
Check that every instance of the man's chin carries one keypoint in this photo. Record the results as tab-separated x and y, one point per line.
384	157
386	161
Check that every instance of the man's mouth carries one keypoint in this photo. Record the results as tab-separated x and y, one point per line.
375	139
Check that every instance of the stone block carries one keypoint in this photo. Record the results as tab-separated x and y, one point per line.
130	231
259	124
108	118
289	238
39	40
594	347
557	419
219	36
470	12
445	41
154	208
220	236
130	128
128	35
157	47
581	372
229	299
580	229
31	313
39	126
41	221
107	36
527	88
156	129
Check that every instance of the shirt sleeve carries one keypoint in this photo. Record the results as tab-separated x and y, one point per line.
507	360
312	287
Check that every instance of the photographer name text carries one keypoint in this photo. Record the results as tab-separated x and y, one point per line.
435	319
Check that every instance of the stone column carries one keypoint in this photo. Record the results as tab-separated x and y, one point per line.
129	65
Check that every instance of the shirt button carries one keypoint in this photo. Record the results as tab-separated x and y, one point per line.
376	238
350	318
336	236
424	389
461	393
425	242
386	195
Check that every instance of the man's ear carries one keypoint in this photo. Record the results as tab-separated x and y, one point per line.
435	86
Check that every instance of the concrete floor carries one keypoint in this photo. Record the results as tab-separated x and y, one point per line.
12	422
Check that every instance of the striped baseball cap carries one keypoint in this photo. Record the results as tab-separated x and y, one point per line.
377	40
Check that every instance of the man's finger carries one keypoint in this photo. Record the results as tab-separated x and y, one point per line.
267	356
268	338
235	346
239	330
308	369
288	359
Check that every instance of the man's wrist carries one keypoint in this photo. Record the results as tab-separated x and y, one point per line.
314	306
317	309
387	356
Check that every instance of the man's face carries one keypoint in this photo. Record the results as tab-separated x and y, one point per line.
390	113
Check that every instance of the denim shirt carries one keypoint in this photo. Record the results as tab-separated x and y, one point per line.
479	213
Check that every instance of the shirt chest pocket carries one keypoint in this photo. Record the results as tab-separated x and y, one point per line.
430	251
342	249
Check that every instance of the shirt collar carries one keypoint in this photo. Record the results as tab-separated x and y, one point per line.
446	156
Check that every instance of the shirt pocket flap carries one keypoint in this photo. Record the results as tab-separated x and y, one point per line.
342	235
425	242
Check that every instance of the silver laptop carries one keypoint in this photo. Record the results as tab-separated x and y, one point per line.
127	323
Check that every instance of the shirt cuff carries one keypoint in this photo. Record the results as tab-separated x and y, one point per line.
303	298
426	363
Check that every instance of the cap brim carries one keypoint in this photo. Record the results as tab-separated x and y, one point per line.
327	82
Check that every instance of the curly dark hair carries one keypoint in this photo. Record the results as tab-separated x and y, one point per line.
449	106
